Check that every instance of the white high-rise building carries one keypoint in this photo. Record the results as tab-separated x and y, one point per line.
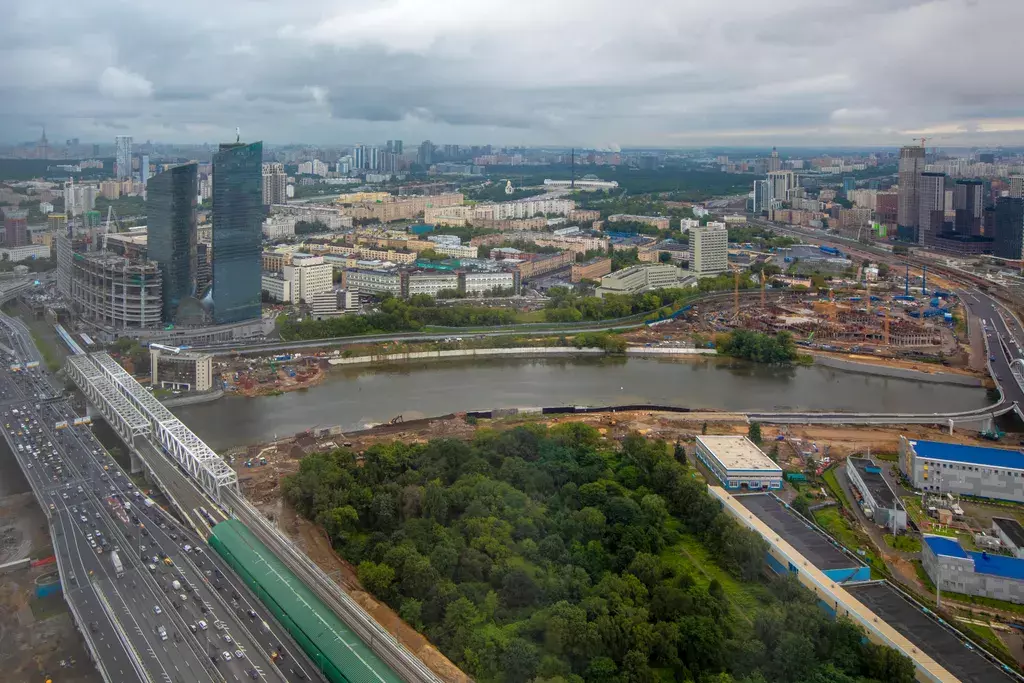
320	168
358	157
274	182
709	247
308	275
123	157
780	183
144	169
373	158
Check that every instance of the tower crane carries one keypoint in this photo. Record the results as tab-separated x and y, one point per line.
106	227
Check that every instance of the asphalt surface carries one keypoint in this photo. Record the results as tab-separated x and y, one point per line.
1003	344
121	613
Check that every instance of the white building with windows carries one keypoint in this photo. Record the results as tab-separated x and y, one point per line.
709	245
478	283
277	287
308	275
738	463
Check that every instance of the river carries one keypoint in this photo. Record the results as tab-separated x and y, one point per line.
355	397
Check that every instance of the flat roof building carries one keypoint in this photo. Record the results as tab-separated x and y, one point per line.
878	500
1011	533
952	568
940	467
182	371
738	463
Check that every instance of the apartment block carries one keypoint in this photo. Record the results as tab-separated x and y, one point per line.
709	245
593	269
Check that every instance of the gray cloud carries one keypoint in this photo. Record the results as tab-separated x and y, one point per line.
581	72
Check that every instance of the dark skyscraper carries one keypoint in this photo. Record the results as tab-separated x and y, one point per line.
931	192
15	227
911	166
967	207
237	231
1009	227
171	214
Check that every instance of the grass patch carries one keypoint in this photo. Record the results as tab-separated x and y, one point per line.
837	526
904	543
689	556
887	457
833	486
49	355
532	316
988	639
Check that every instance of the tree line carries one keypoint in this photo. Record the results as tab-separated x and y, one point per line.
758	346
554	555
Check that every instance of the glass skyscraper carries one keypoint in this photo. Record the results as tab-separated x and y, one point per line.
171	214
237	231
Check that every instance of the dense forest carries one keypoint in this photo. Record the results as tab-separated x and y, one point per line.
758	346
555	555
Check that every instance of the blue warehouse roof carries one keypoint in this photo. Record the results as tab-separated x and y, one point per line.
998	565
973	455
950	547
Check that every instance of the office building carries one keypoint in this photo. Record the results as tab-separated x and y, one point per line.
911	166
951	568
878	501
938	467
967	207
277	287
709	245
308	275
358	158
123	157
171	204
274	183
479	283
15	227
144	169
738	463
849	185
931	207
426	153
237	231
645	277
774	163
762	196
181	371
781	182
1009	228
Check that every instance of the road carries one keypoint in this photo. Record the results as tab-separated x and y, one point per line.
1003	345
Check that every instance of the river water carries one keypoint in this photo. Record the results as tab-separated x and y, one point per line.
356	397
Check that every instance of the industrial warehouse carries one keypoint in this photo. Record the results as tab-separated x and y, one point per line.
938	467
877	498
738	463
952	568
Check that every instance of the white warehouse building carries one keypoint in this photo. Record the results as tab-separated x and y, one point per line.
738	463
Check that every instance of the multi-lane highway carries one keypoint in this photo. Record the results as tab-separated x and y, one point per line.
1003	345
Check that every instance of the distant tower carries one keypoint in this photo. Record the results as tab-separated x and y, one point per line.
43	147
508	187
774	164
572	182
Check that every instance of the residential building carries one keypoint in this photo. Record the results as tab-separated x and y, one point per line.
428	282
887	207
938	467
1017	186
237	231
952	568
45	208
657	222
123	157
781	182
109	189
277	287
593	269
774	163
967	207
878	501
275	180
309	275
911	165
931	211
540	266
709	245
644	277
329	304
372	281
279	227
171	204
738	463
15	227
183	371
1009	228
762	196
57	222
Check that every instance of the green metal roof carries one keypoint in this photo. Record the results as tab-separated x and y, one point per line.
318	625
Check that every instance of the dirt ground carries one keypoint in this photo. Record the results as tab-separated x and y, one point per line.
38	639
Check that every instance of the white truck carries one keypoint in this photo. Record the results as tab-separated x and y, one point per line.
176	585
118	567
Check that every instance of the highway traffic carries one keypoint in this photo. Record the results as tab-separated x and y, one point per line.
157	603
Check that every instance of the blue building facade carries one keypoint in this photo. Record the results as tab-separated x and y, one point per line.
171	214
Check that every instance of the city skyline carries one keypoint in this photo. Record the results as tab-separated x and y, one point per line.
677	74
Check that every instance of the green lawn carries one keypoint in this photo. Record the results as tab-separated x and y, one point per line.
907	544
833	486
988	639
887	457
689	556
832	521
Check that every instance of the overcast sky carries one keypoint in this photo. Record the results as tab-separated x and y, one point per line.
591	73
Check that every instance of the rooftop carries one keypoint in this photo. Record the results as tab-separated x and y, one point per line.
949	547
819	550
972	455
871	474
936	641
998	565
1011	528
738	453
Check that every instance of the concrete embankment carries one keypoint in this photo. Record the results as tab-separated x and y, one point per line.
513	352
191	399
901	373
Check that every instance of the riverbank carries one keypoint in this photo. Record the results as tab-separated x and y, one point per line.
193	399
514	352
861	364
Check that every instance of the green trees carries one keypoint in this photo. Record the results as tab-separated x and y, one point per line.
551	554
758	347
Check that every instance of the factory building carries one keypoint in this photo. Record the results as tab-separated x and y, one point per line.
939	467
738	463
877	498
1010	533
180	370
952	568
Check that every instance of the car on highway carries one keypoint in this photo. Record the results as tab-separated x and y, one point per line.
202	625
239	654
156	609
226	655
